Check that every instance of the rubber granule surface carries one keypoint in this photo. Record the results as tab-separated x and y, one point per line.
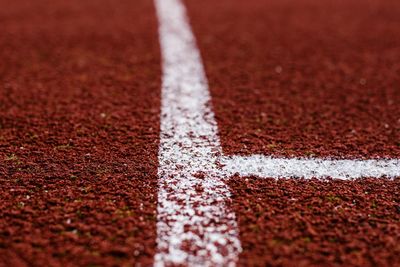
307	79
318	223
79	127
303	78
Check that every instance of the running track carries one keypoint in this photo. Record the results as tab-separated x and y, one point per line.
80	124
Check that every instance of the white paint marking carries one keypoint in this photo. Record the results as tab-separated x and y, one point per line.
194	226
264	166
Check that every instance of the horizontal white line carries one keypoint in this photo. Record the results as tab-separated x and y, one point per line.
264	166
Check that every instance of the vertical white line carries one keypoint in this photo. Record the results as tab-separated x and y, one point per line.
194	226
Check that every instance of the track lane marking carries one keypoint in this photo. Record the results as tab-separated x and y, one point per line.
194	225
265	166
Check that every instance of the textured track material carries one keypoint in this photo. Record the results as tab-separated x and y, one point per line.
304	78
80	141
311	79
79	131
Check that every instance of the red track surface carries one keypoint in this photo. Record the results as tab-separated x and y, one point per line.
308	78
305	78
318	223
79	127
79	119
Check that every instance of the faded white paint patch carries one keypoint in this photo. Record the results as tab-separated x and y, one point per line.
264	166
194	226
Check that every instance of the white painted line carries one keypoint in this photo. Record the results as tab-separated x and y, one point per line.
194	225
264	166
